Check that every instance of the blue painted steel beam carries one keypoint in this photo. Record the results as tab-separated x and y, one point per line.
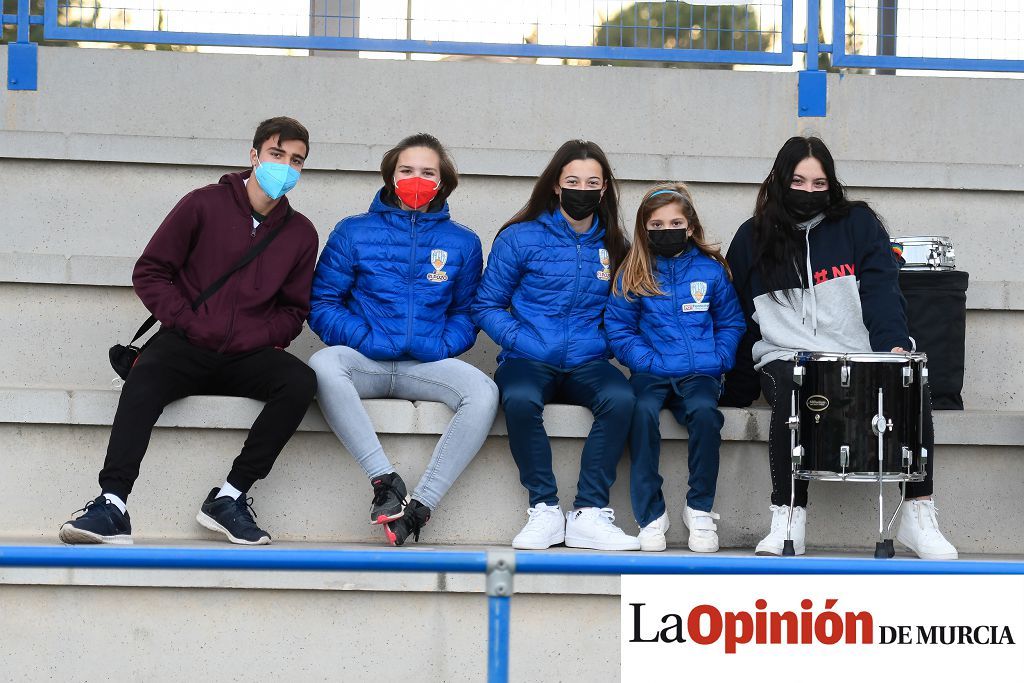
33	19
813	23
498	613
419	46
927	63
460	561
22	55
565	563
841	59
812	93
23	23
285	559
53	30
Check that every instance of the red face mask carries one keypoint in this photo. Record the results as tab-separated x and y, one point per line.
416	192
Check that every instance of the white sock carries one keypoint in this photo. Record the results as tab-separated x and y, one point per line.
228	490
116	502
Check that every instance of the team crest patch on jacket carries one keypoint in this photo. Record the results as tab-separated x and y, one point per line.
605	273
438	257
698	289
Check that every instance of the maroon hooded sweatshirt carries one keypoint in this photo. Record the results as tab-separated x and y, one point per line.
262	305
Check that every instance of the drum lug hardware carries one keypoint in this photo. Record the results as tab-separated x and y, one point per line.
907	456
924	375
794	422
798	455
844	457
844	375
924	454
908	376
798	375
880	425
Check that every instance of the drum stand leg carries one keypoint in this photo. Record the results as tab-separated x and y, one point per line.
890	551
884	547
788	550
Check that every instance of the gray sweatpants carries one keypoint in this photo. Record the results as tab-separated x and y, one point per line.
344	376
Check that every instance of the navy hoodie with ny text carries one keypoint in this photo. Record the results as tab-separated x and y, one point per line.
853	303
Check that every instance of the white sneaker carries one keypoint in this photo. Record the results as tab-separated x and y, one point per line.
703	530
773	542
919	531
594	528
652	536
545	528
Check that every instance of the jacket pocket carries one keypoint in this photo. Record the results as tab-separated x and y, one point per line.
378	346
428	349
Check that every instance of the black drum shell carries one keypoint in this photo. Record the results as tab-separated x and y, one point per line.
833	415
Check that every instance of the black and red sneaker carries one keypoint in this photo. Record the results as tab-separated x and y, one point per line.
389	497
415	518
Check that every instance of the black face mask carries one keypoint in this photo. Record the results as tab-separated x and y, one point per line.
668	242
580	203
803	205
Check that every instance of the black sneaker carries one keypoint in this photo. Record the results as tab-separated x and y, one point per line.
389	494
102	522
415	518
232	518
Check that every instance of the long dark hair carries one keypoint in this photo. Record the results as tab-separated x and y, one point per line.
449	173
778	247
543	198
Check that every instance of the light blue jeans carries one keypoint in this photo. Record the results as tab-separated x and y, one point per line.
344	376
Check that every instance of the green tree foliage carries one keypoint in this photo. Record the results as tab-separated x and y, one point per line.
86	16
680	25
10	33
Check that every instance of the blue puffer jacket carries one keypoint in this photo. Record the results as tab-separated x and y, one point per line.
692	329
398	285
544	292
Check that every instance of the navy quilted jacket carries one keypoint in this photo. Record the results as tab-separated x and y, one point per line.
692	329
544	292
398	285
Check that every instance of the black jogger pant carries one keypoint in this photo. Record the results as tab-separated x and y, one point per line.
777	385
171	368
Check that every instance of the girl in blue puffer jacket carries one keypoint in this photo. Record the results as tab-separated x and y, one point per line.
391	299
675	320
542	299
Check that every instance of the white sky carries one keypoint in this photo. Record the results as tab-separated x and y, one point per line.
927	28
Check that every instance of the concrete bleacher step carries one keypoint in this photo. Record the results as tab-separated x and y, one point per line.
81	305
55	441
320	625
124	624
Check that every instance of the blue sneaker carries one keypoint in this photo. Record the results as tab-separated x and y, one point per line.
101	522
233	518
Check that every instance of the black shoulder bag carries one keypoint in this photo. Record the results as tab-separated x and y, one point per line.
123	358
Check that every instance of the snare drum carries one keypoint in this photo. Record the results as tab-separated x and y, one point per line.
852	407
926	252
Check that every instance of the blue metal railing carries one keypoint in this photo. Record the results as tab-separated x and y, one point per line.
432	33
759	33
499	566
909	47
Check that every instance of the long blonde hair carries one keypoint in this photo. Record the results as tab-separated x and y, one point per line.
637	270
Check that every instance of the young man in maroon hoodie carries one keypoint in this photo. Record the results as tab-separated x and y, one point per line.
231	345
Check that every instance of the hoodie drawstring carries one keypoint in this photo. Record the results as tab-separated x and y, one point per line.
806	228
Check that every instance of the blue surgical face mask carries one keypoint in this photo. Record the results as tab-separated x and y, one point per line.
275	179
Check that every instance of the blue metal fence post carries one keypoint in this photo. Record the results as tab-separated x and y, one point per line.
812	83
501	566
22	55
